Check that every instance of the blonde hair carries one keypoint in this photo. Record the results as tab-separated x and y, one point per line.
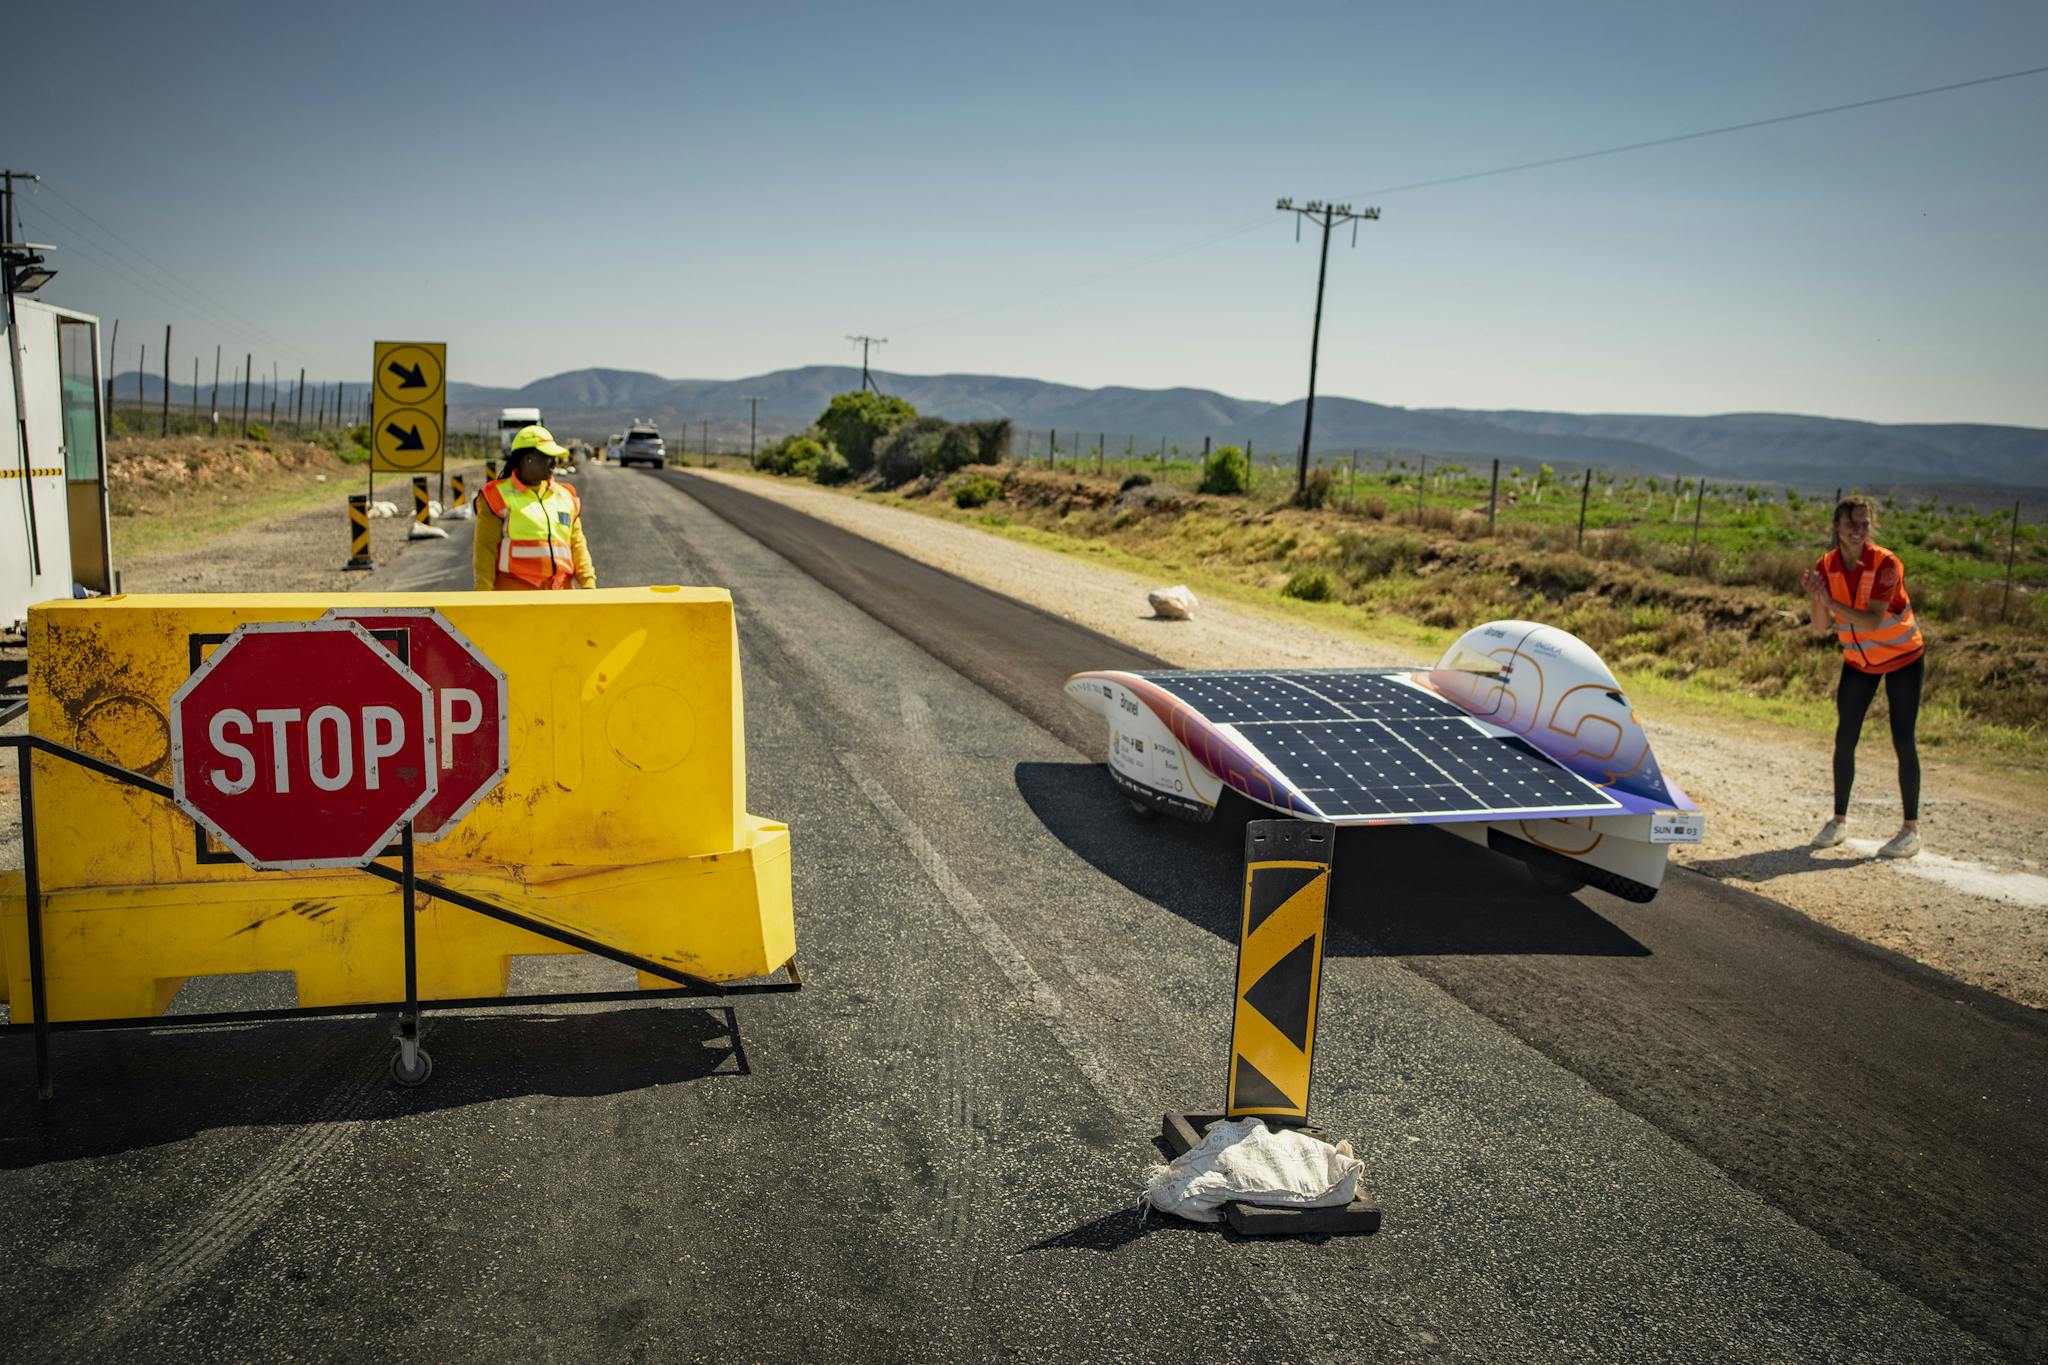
1852	503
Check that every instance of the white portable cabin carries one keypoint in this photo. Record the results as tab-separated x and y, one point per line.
53	491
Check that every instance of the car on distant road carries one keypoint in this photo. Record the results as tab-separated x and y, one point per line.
642	446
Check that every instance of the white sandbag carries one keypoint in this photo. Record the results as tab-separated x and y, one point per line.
460	512
1246	1161
1173	604
419	532
381	508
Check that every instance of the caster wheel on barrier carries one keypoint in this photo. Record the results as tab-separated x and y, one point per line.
422	1068
1144	810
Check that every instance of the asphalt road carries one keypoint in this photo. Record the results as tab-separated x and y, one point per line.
1700	1129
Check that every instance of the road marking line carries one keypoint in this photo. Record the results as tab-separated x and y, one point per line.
1271	1280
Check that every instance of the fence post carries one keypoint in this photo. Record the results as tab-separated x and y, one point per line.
1584	490
165	429
1420	479
1492	500
1052	446
2011	544
1699	502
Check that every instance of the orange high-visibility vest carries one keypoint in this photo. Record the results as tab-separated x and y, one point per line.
1895	641
535	549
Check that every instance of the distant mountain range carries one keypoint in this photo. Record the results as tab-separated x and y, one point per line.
1760	447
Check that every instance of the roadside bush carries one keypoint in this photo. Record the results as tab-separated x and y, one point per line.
1374	507
907	451
855	423
793	456
1376	556
256	431
1226	471
1316	490
1133	481
1310	585
831	468
956	449
359	435
976	492
991	439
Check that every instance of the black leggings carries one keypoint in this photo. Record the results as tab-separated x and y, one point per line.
1852	703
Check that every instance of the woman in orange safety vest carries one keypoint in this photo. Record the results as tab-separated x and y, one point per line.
1858	590
529	524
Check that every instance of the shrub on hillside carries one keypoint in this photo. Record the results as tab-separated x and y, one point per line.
795	456
1310	585
831	468
854	423
359	435
1226	471
909	450
976	492
956	448
991	439
256	431
1315	491
1133	481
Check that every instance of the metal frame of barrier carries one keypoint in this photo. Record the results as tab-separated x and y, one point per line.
410	1064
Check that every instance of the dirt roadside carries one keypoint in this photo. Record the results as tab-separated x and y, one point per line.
1973	905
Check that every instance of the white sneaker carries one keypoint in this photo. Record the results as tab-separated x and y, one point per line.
1904	844
1832	833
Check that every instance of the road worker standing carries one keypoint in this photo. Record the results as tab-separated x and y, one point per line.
532	537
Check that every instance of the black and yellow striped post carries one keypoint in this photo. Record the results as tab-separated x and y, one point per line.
1279	969
461	491
1286	892
359	531
491	470
422	511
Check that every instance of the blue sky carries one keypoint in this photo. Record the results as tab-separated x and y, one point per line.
714	191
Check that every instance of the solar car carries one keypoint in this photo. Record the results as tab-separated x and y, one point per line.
1519	739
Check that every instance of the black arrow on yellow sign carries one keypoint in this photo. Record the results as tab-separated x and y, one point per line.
408	439
409	376
1279	968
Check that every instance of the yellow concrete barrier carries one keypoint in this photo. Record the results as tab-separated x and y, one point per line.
622	817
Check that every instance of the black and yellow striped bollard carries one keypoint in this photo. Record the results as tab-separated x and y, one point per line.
461	491
491	470
422	514
359	531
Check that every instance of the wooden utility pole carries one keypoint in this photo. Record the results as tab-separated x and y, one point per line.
213	409
113	345
248	361
1584	490
1492	499
1699	503
753	413
299	401
2011	544
1327	215
864	342
164	425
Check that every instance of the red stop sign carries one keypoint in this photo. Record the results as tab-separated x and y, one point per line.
302	744
472	714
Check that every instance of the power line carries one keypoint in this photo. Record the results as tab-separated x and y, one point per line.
171	276
1704	132
128	275
1326	215
1249	225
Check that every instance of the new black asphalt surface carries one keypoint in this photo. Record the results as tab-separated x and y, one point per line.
1696	1130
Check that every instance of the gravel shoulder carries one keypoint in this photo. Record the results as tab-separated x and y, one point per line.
1973	905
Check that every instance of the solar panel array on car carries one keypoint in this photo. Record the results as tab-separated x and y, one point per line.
1364	744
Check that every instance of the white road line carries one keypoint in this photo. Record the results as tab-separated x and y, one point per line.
1269	1278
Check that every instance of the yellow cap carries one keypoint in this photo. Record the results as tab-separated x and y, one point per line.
536	438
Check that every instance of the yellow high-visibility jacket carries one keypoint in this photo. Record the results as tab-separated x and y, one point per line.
548	505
